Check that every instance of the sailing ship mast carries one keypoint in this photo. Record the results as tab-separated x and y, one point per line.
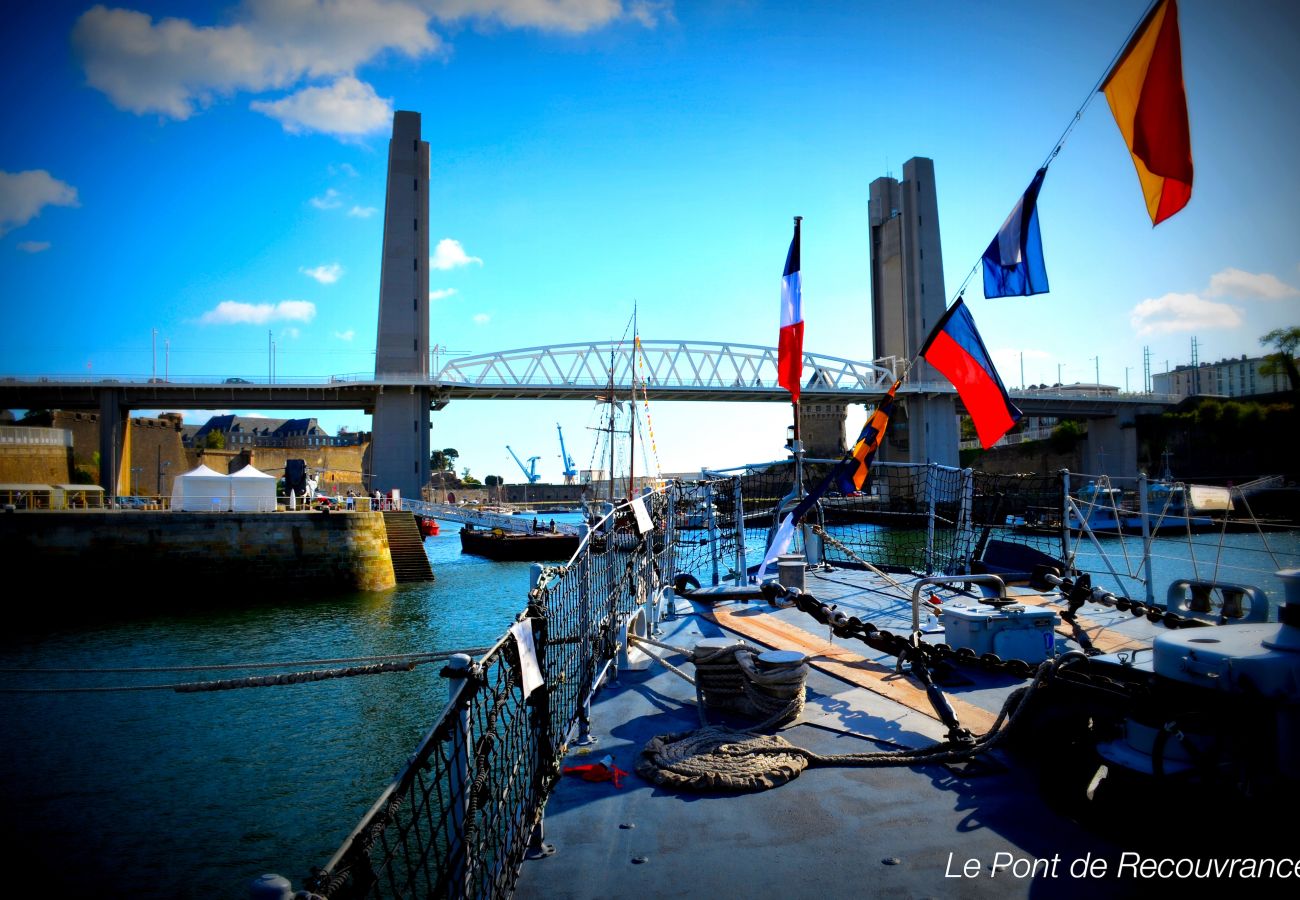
631	419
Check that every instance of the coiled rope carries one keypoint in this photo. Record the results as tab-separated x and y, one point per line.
716	758
736	679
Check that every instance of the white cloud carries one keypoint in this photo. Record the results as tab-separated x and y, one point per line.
346	168
232	312
441	293
348	108
363	212
1236	283
449	254
173	65
34	246
292	333
326	274
1182	312
328	200
345	335
482	319
24	194
573	16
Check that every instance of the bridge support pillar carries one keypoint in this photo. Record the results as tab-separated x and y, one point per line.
1111	447
932	434
114	420
400	444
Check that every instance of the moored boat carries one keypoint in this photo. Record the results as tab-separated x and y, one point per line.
517	546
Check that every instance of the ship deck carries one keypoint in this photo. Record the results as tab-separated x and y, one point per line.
831	832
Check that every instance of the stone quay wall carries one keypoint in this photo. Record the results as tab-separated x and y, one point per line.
176	555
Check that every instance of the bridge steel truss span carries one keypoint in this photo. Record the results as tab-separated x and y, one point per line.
670	370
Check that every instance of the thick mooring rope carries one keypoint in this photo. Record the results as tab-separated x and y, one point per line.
716	758
735	679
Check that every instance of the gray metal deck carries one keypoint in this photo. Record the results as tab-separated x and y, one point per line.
831	832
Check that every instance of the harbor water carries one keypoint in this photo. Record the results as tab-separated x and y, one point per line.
158	794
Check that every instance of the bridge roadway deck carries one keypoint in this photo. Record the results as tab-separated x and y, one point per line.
68	393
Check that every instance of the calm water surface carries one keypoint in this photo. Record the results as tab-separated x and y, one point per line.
158	794
184	795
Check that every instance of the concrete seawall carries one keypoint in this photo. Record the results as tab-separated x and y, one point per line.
174	554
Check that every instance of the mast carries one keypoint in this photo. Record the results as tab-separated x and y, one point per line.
631	419
611	427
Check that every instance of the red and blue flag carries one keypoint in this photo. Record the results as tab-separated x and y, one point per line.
955	349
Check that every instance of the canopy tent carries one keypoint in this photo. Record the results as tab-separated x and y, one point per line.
202	490
252	491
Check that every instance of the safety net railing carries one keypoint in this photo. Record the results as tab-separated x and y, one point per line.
460	816
923	518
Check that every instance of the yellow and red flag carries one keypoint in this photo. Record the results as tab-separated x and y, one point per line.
1146	95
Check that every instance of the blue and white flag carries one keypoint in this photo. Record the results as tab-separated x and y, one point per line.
1013	263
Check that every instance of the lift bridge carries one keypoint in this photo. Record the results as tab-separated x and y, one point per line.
664	369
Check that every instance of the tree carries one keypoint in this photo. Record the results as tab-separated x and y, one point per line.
1282	360
493	482
438	461
215	440
451	454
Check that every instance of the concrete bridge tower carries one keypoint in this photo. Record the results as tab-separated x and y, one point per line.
400	447
907	298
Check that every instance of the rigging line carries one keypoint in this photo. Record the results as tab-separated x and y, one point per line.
434	655
1074	120
235	683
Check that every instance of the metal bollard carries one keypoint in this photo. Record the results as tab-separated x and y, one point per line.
270	887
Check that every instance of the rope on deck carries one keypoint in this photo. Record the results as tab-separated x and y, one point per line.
735	679
717	758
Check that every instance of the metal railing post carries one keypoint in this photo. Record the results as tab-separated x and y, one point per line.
1065	519
1144	512
459	780
742	573
931	473
714	537
965	515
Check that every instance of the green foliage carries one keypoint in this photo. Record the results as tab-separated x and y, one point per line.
444	460
469	480
215	440
1065	436
84	474
1285	342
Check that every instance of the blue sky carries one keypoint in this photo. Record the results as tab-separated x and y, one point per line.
217	171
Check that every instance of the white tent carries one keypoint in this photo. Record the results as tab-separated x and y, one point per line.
252	491
202	490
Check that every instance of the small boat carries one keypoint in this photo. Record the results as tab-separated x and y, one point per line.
517	546
428	525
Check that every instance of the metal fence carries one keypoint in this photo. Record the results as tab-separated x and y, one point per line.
911	516
459	818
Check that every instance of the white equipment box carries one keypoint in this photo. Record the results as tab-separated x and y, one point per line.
1012	632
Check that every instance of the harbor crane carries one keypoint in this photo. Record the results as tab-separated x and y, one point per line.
530	470
565	459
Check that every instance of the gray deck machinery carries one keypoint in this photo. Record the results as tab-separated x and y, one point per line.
1205	723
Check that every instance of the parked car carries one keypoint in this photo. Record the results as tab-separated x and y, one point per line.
238	381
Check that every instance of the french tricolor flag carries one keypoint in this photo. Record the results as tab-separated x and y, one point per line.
790	355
